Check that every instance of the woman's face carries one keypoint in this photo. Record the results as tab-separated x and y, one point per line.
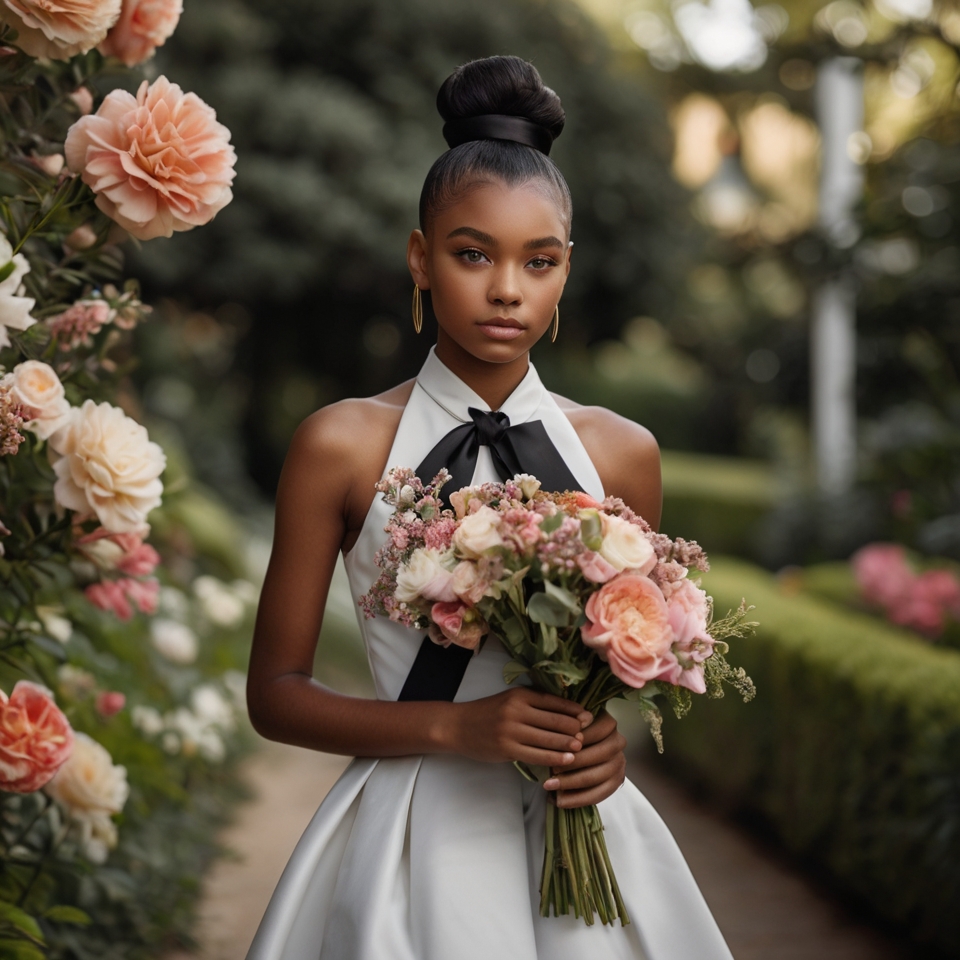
495	264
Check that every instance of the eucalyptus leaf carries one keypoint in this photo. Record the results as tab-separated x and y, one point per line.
566	671
512	670
544	608
551	523
551	639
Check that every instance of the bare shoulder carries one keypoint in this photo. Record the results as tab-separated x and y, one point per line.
626	455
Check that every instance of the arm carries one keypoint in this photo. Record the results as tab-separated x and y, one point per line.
320	502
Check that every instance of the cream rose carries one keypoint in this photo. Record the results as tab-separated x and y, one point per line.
90	788
625	547
108	466
14	307
158	162
478	533
143	26
37	386
425	576
58	29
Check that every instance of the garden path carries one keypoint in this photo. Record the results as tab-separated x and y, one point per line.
767	911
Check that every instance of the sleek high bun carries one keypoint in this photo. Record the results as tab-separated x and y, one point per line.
495	89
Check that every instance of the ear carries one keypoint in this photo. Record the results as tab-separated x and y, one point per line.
417	259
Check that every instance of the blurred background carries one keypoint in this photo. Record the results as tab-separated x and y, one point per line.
767	226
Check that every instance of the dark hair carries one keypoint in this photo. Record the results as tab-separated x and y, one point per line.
504	86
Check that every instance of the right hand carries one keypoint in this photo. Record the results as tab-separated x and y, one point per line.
536	728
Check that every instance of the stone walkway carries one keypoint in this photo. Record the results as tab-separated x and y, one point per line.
765	909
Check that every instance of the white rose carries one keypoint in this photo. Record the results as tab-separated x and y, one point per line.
173	640
59	30
58	626
424	575
219	603
528	485
14	307
625	547
147	720
211	707
90	787
108	466
37	386
478	532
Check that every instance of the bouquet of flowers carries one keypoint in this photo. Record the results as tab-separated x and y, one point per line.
591	605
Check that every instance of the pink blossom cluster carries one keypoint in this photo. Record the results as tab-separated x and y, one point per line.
80	322
922	601
123	553
459	573
11	420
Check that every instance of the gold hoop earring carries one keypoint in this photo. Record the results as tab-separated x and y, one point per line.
417	309
555	326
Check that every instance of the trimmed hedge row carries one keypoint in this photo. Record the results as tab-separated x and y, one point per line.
851	750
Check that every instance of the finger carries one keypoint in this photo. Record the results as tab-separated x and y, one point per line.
541	758
558	722
583	798
545	739
597	753
587	778
554	704
602	727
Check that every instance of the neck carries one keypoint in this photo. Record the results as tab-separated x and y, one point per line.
492	381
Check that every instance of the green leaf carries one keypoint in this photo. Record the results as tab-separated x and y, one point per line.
568	672
6	270
64	914
555	606
512	670
549	524
19	950
551	640
21	920
563	595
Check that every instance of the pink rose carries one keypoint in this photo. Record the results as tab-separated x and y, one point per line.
140	561
143	26
595	568
468	584
629	627
882	573
110	702
59	30
144	593
688	611
158	162
940	587
456	623
35	738
109	596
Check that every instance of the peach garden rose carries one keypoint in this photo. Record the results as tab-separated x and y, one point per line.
37	387
58	29
143	26
35	738
158	162
628	625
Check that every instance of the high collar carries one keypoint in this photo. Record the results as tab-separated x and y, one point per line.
443	386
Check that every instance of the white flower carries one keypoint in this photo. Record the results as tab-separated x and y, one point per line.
147	720
108	466
425	575
211	707
478	533
170	743
37	386
221	606
90	788
407	494
173	640
625	547
174	603
528	485
14	307
211	746
246	591
236	683
103	551
59	627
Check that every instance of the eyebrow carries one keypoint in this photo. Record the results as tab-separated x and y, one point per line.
482	237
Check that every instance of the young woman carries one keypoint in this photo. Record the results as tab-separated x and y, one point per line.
430	846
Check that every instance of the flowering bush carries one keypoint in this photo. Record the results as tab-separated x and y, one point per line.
102	715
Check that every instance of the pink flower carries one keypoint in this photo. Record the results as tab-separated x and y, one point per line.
78	323
144	593
108	595
468	584
60	29
158	162
110	702
143	26
688	611
595	568
140	561
456	623
585	502
35	738
940	587
629	627
882	572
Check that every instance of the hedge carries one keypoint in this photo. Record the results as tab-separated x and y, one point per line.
850	751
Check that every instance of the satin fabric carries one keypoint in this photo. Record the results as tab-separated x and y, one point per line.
438	857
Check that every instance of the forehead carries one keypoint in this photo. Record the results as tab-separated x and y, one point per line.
508	213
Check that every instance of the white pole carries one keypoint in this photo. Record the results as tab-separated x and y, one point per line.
833	354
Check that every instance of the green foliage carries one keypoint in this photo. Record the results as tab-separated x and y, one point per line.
851	750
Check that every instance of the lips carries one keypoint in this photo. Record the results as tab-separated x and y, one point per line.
502	328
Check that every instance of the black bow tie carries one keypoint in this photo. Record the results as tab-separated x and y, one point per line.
437	671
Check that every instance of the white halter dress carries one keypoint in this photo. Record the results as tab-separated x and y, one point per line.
439	857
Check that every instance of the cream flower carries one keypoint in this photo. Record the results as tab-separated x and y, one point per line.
425	576
90	788
37	387
173	640
143	26
14	307
158	162
108	466
625	547
58	29
478	532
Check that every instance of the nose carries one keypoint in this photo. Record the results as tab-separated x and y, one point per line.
505	287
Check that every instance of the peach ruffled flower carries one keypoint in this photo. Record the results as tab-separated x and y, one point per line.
36	386
59	29
35	738
456	623
158	162
143	26
108	466
628	625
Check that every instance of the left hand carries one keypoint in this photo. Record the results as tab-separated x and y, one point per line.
598	769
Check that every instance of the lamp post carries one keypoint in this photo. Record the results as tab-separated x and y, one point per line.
839	106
